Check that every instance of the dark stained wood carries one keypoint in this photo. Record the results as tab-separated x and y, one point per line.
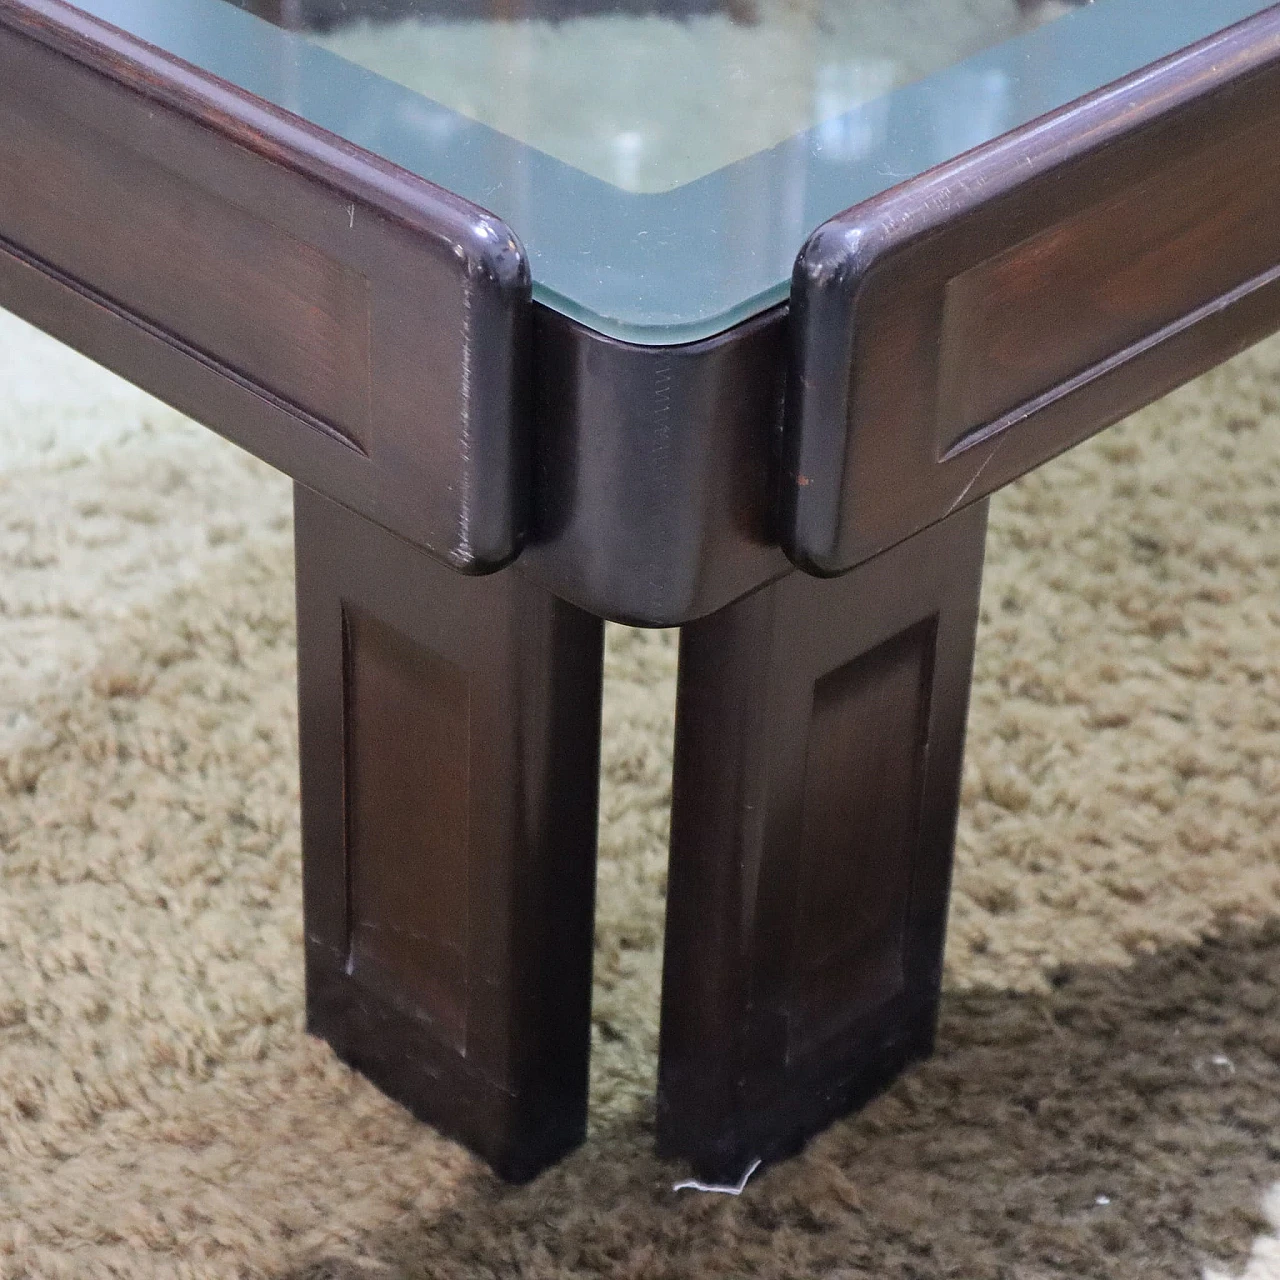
819	739
863	779
655	469
450	754
966	326
173	227
408	792
1119	273
322	341
154	234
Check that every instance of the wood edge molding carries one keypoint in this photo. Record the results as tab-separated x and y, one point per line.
846	249
493	250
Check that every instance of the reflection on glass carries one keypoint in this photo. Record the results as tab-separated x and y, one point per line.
650	94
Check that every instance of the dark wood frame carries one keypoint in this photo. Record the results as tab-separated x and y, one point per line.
963	328
352	324
380	345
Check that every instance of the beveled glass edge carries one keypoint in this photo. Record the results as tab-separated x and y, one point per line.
669	268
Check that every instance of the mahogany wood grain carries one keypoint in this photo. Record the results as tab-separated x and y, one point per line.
819	739
966	326
1118	274
311	345
450	763
374	329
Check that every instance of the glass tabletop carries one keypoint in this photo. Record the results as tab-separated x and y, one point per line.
664	160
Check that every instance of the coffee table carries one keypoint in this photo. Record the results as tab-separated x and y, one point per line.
720	316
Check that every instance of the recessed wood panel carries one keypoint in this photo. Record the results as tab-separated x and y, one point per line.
408	798
864	773
1086	292
449	732
245	293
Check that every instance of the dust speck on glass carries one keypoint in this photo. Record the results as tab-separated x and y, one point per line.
662	161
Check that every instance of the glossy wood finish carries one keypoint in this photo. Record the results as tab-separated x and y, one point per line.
966	326
450	756
654	472
819	739
355	326
291	291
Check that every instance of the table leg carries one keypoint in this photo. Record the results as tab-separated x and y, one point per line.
819	739
450	737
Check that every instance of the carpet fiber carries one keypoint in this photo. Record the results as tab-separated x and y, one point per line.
1105	1100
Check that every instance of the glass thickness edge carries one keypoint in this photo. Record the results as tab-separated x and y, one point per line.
685	264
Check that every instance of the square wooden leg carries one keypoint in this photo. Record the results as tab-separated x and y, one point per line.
819	741
450	732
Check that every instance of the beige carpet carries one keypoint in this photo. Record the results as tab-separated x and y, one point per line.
1106	1097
